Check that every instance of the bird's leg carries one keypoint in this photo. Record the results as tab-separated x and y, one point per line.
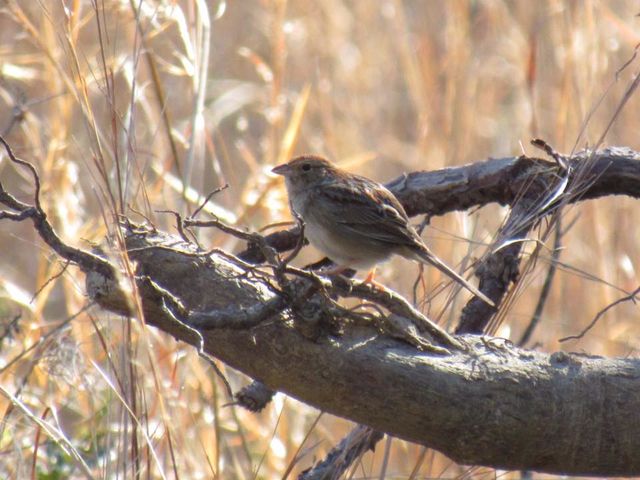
339	269
370	280
370	277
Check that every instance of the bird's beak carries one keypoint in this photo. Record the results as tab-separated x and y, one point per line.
281	169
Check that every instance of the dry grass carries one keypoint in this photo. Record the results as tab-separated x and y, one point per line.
123	104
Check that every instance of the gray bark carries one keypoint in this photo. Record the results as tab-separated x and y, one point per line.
492	404
478	400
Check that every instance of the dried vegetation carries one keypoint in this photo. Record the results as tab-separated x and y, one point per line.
128	108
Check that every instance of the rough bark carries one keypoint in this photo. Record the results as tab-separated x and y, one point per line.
476	399
492	404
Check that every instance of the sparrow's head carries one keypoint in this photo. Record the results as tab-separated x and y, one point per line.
306	170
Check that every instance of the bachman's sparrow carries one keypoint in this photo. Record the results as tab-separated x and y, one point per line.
355	221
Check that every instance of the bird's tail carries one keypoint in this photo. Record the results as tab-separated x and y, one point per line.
426	256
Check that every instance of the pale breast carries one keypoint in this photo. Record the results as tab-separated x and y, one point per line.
331	238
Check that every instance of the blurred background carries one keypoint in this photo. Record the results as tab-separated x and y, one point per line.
128	108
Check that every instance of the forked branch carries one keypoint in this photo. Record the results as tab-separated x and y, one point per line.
480	401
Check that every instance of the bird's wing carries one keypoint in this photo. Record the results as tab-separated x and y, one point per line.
373	213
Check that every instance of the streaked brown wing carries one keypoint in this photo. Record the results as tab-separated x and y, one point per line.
373	213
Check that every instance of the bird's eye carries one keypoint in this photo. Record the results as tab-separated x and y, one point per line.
306	167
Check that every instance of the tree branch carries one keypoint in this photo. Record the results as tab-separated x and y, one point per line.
85	260
499	180
490	404
484	403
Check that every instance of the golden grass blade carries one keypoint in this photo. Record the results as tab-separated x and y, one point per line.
53	432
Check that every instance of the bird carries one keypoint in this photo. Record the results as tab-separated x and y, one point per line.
356	222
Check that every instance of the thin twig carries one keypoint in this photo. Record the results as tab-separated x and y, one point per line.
51	279
396	304
296	250
549	150
28	166
625	98
87	261
546	287
179	223
207	198
11	328
626	298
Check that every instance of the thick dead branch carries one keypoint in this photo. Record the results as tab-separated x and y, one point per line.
490	404
482	403
612	171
